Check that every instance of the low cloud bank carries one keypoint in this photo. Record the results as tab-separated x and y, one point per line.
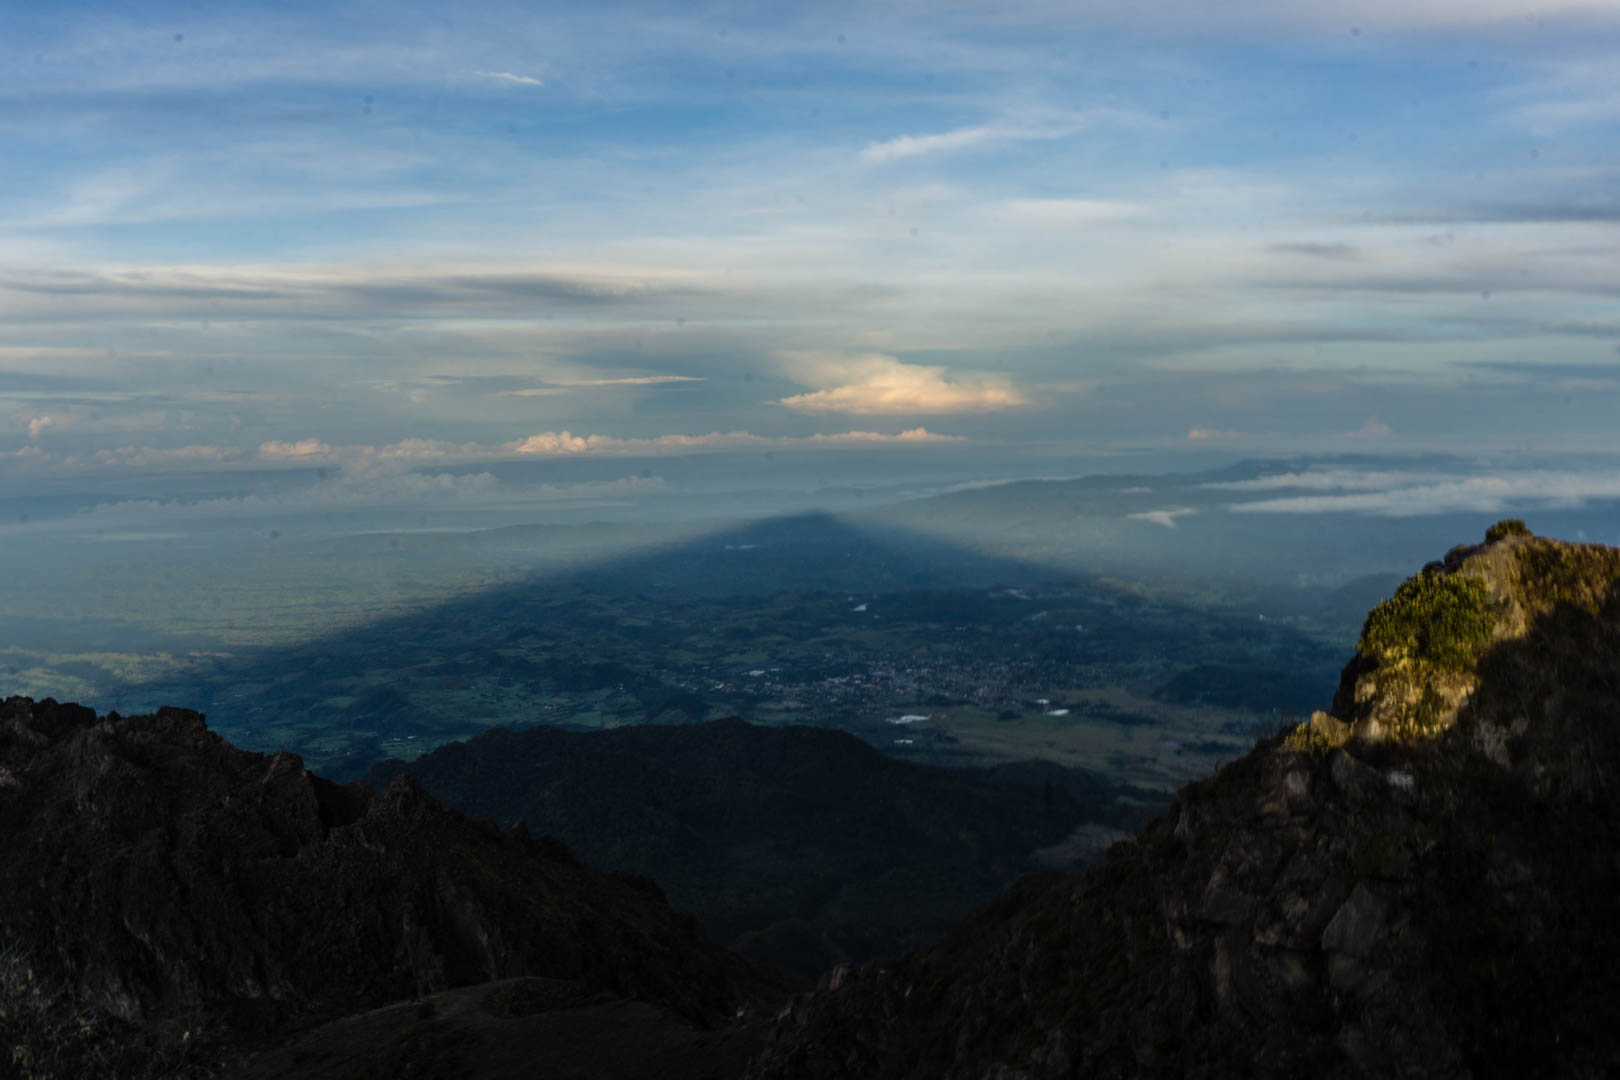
1421	495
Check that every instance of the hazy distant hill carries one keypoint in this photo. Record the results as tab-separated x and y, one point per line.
799	845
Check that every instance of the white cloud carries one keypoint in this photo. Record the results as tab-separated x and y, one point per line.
906	146
509	78
1067	213
38	424
878	385
1483	494
563	443
1327	480
1166	517
1049	126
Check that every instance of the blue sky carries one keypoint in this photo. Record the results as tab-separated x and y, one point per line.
386	236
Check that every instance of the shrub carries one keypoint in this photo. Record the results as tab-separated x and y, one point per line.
1443	619
1505	528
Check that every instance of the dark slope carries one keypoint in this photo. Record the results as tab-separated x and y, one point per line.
180	891
801	846
1425	884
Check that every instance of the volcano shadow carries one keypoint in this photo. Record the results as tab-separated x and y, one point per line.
628	627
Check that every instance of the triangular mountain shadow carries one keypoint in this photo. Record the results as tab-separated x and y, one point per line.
341	697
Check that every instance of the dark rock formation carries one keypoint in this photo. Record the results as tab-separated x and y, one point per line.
1425	884
159	878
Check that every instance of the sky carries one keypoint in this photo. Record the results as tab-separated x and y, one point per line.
407	243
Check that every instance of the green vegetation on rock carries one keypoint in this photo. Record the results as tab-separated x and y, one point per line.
1440	618
1505	528
1319	735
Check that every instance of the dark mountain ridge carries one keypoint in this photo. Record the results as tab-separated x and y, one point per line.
179	893
799	846
1424	883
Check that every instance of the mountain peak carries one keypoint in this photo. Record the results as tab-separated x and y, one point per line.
1421	882
1457	643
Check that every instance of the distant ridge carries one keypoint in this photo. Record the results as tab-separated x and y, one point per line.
1425	883
800	846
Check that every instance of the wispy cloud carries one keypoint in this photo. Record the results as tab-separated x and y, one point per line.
359	459
1166	517
563	387
902	147
565	444
908	146
509	78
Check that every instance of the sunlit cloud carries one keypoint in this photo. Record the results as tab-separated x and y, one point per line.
884	386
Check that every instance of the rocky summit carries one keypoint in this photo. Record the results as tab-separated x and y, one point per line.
1423	882
170	902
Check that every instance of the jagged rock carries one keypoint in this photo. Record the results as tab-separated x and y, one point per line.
1422	883
175	883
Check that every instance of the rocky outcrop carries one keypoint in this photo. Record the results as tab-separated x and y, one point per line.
1424	883
158	877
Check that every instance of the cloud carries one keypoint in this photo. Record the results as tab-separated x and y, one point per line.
1374	428
302	450
1482	494
1167	517
906	146
39	424
563	443
509	78
1204	434
1327	480
880	385
177	456
902	147
553	389
1068	213
358	463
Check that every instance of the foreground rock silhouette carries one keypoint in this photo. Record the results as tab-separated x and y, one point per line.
188	901
1424	883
